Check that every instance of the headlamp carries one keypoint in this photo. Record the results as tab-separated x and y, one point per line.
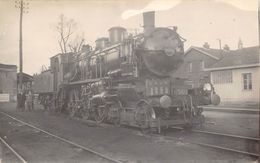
207	87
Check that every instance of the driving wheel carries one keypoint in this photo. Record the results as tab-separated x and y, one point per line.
114	113
100	114
143	115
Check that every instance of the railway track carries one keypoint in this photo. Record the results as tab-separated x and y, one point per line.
199	137
17	155
221	141
109	159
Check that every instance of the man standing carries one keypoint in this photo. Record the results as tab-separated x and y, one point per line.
19	102
23	98
29	101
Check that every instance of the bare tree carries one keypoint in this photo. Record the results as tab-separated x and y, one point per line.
76	44
65	27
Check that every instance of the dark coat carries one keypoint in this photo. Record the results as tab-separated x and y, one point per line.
23	98
19	98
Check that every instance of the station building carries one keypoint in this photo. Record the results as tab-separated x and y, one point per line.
196	59
236	76
234	73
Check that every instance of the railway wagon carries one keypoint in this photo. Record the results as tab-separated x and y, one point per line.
43	86
126	80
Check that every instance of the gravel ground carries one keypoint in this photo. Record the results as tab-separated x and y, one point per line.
6	155
222	141
35	146
127	145
232	123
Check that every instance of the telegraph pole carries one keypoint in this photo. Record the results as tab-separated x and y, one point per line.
20	4
21	47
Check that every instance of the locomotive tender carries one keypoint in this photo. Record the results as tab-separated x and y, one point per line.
126	80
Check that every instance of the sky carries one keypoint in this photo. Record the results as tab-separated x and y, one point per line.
198	21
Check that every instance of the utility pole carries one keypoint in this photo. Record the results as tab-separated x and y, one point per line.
22	6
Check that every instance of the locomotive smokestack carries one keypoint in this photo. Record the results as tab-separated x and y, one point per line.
149	25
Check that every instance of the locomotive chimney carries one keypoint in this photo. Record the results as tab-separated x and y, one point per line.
149	25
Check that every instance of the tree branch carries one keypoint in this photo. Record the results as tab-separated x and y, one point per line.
65	28
60	46
71	48
80	45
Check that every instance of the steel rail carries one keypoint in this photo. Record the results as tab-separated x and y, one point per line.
63	139
16	154
219	147
211	146
230	136
227	149
227	135
219	134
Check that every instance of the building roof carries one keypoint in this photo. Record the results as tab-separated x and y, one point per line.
68	53
246	57
213	53
8	66
26	77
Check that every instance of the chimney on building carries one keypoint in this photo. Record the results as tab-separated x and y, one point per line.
206	45
226	47
149	22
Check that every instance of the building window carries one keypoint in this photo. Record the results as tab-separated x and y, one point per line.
222	77
247	81
190	67
156	91
161	90
166	90
151	91
201	65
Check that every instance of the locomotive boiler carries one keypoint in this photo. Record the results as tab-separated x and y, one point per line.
126	80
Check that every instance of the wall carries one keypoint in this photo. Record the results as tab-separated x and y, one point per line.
234	92
197	76
8	82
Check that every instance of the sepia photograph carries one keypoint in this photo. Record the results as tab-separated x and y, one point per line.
129	81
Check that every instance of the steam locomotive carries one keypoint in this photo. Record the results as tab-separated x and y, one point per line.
126	80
